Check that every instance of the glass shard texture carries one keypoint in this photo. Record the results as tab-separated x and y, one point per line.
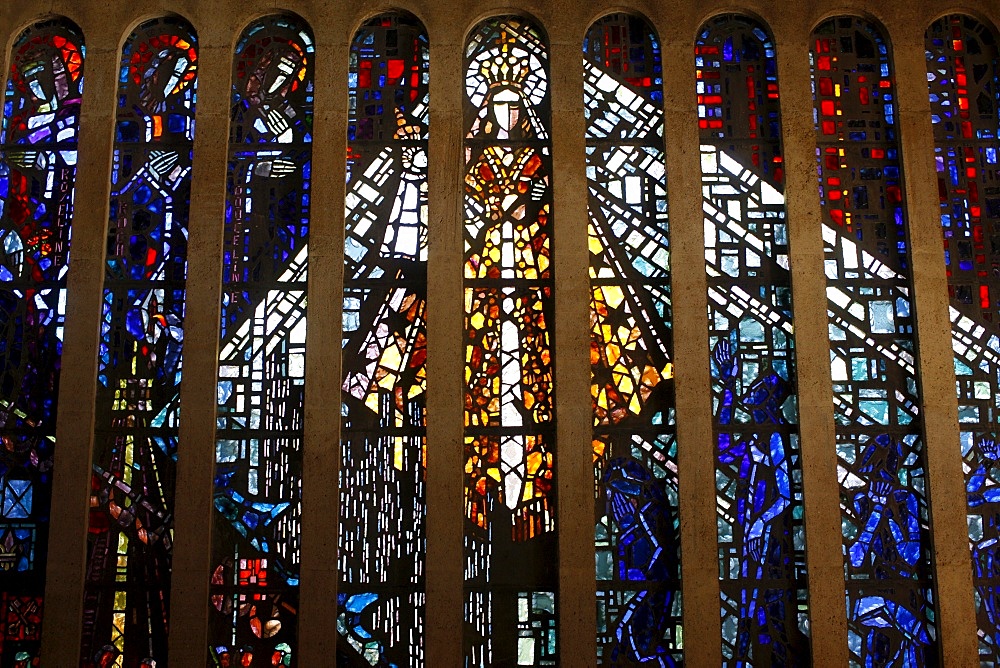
964	86
38	152
384	393
258	449
752	343
876	399
509	397
126	600
637	538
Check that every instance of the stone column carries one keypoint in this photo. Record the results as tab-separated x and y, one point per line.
193	512
63	613
821	490
689	290
445	339
574	464
321	447
954	601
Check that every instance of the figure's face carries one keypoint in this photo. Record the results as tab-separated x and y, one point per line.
38	79
169	67
274	74
506	109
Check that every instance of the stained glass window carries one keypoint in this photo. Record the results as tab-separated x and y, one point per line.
964	86
38	151
382	531
876	397
635	458
752	343
509	397
126	603
258	449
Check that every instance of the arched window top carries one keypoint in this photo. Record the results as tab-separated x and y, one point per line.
962	74
157	80
738	82
261	88
626	46
755	40
852	50
621	59
507	80
46	77
389	63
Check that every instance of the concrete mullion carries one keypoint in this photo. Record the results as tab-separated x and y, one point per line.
576	603
817	434
689	296
321	450
954	601
445	346
65	576
193	513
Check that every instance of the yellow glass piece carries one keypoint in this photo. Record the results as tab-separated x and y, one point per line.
397	455
614	296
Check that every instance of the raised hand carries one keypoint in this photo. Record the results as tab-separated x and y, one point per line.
727	366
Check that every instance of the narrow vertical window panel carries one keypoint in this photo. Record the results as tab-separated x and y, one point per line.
38	155
876	395
126	600
509	400
964	86
258	450
637	530
383	438
752	342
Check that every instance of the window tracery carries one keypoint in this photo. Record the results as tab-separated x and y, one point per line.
752	341
635	466
964	89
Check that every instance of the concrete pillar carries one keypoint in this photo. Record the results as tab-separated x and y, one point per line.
445	338
574	468
689	290
954	602
821	490
63	612
194	512
321	444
